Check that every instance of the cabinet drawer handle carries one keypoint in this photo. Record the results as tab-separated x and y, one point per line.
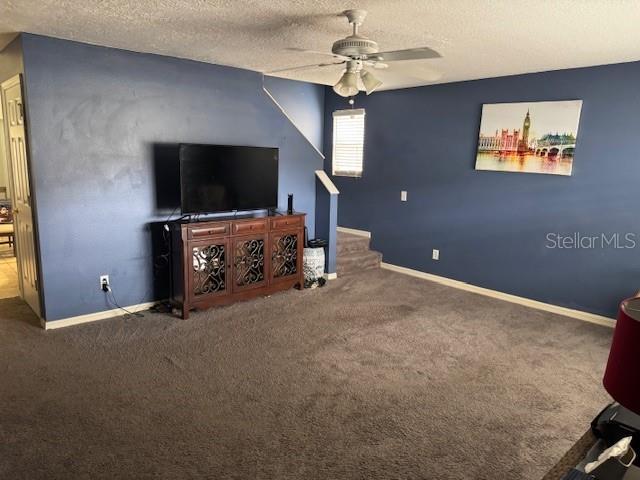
208	231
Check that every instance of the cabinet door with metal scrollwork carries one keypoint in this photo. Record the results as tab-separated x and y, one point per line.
249	266
209	267
286	255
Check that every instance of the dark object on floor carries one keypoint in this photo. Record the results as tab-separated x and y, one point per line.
614	468
376	376
572	457
615	422
577	475
320	282
162	307
317	243
585	450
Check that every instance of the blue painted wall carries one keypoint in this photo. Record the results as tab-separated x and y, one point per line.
99	118
326	224
303	103
491	227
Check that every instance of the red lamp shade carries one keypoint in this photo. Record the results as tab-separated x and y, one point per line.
622	376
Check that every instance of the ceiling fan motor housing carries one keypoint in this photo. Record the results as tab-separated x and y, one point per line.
355	46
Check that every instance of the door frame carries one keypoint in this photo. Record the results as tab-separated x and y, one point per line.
4	85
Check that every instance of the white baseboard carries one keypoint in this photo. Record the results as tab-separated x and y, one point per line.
94	317
353	231
527	302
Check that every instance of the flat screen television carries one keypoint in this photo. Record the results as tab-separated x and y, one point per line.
224	178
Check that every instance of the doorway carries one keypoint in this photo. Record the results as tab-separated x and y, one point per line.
8	264
18	258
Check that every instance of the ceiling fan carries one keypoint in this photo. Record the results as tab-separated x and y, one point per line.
357	52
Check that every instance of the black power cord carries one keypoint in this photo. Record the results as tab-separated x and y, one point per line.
106	288
161	261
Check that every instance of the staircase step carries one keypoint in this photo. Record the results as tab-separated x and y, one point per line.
348	243
356	262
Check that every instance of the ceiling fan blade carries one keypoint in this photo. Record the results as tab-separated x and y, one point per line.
316	52
421	53
303	67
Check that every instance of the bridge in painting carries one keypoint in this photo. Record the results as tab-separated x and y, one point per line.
555	150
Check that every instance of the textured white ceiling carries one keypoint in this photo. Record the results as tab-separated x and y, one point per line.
476	38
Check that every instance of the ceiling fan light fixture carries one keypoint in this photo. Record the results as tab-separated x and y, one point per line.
347	86
371	83
356	52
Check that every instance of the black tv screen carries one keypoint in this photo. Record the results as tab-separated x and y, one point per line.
223	178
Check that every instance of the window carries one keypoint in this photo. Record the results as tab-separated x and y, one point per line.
348	142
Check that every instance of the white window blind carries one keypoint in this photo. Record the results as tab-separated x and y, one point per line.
348	142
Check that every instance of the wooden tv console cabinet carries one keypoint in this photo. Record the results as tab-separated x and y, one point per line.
229	259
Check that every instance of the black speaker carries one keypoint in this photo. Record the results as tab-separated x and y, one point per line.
290	204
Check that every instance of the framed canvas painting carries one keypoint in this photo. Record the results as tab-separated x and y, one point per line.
529	137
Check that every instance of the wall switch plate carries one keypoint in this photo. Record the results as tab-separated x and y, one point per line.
403	196
436	254
104	278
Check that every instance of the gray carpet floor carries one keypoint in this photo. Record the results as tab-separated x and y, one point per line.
376	376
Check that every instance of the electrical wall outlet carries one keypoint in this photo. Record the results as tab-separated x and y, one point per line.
403	196
436	254
104	279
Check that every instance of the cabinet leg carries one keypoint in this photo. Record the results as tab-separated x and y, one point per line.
185	312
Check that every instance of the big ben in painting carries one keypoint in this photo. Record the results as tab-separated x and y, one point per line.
524	142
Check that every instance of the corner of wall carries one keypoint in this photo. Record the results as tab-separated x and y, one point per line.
292	116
